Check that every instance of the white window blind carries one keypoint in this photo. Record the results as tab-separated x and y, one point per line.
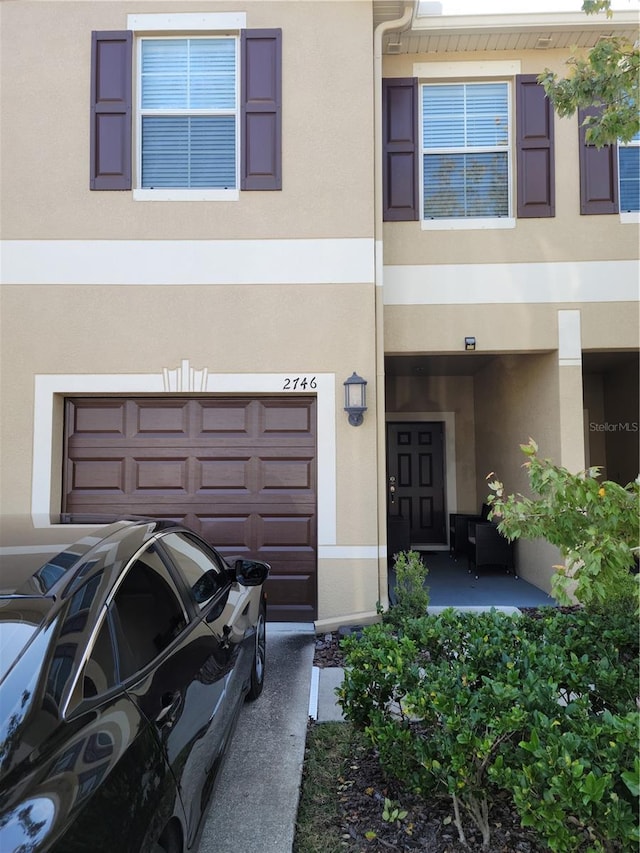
465	134
188	112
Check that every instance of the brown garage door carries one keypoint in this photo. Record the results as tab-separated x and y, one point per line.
240	471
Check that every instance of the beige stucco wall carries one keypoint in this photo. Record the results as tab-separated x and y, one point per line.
518	397
520	327
327	188
346	592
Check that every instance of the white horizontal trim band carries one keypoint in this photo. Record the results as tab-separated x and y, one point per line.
489	284
466	70
570	362
348	552
176	262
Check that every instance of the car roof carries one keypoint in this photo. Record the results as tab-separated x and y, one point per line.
54	610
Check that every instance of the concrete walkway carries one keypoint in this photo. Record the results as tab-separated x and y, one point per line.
255	802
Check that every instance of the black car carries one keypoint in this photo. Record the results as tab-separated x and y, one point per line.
124	660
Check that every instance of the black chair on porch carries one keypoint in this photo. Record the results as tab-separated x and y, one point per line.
486	546
459	530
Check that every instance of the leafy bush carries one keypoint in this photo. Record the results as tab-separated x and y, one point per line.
412	596
467	705
593	523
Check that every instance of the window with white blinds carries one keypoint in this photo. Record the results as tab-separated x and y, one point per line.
465	150
188	113
629	175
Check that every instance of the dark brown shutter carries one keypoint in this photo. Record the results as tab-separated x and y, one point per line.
400	149
111	110
261	126
535	155
598	173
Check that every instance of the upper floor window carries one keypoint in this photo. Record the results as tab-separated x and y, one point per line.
207	96
471	151
188	113
629	175
466	150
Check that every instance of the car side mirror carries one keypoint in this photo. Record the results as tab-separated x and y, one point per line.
250	572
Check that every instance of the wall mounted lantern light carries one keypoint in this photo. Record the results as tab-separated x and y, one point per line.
469	344
355	398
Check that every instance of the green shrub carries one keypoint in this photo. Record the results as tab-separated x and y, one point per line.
470	704
412	596
594	524
568	780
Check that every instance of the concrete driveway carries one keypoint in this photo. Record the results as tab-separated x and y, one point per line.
255	802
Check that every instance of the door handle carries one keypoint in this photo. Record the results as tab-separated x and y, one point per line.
170	703
392	489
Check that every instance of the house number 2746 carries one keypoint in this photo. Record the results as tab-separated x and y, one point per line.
299	383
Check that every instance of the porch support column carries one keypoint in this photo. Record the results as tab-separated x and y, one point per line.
571	418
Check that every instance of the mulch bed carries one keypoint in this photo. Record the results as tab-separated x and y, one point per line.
428	826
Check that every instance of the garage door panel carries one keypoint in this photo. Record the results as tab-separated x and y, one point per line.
285	474
232	418
161	474
281	418
222	476
161	418
289	596
231	533
96	474
98	419
290	532
241	471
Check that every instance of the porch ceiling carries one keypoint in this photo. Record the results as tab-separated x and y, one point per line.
465	364
604	362
469	363
432	32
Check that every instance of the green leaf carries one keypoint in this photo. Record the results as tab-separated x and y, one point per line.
632	779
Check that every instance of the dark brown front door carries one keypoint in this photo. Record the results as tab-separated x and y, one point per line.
240	471
415	479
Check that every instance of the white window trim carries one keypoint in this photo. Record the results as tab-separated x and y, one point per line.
184	25
187	22
482	69
168	194
463	71
488	224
